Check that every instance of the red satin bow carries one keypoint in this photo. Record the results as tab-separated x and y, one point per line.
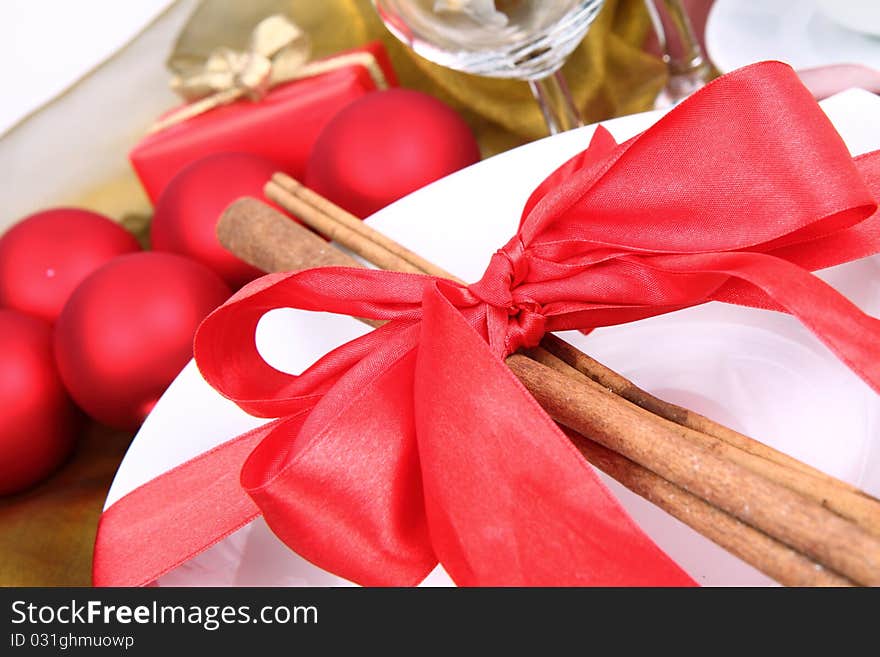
415	443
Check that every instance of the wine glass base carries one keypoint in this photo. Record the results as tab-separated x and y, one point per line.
681	85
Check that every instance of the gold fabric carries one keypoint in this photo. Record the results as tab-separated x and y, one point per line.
47	534
609	74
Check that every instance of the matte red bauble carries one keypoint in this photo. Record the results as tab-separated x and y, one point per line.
186	215
128	329
38	422
46	255
384	146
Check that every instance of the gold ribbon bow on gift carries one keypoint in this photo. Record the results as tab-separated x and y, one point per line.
279	52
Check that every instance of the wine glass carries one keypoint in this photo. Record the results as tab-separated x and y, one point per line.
520	39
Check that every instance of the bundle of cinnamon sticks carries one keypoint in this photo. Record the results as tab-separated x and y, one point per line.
793	522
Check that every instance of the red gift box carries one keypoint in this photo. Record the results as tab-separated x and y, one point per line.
281	127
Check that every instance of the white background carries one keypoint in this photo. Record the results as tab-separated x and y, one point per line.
47	45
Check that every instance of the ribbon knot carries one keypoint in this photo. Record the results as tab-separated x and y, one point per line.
523	317
507	268
526	326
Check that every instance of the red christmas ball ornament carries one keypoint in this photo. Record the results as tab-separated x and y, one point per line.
384	146
128	329
187	211
38	421
46	255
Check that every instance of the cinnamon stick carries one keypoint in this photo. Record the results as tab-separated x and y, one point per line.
852	504
622	386
768	554
271	242
776	560
342	227
254	232
788	516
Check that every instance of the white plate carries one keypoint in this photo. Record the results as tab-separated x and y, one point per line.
740	32
776	382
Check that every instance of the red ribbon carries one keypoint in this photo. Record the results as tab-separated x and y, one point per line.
415	443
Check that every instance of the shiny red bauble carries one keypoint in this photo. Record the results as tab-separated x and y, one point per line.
128	329
46	255
386	145
38	422
185	220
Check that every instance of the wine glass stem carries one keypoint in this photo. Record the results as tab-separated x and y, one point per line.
689	67
555	102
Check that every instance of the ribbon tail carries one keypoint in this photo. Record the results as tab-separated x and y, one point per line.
176	516
342	487
509	499
843	327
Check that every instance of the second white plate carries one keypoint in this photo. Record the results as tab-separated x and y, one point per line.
740	32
